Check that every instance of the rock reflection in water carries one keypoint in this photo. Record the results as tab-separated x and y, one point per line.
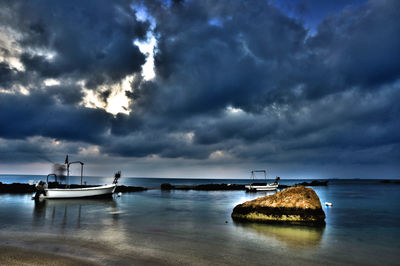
293	236
71	212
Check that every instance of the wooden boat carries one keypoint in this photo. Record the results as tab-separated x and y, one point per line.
262	186
44	191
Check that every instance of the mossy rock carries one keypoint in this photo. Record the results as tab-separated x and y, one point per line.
296	205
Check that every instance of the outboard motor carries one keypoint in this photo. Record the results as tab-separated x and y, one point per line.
116	177
276	182
40	189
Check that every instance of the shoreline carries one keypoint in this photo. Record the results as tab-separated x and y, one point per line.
18	248
15	255
48	249
60	250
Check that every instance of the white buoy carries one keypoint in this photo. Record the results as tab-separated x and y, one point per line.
328	204
119	194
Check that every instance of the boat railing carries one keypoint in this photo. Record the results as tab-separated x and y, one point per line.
253	175
55	177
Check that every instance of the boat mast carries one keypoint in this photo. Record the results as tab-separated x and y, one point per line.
81	172
68	164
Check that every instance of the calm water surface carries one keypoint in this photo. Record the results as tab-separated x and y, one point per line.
362	226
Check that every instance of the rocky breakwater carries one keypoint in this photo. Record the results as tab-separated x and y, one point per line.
204	187
295	205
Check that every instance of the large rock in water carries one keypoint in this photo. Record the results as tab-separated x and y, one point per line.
295	205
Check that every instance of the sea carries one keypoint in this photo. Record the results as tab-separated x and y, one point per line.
195	227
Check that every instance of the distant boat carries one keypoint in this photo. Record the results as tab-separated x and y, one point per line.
66	192
262	186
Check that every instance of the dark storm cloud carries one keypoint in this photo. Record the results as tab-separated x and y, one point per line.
205	67
257	59
90	40
7	75
39	115
259	56
244	127
235	79
352	120
362	46
35	149
66	94
155	142
123	124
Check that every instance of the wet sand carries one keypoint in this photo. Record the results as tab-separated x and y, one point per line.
54	250
38	249
10	255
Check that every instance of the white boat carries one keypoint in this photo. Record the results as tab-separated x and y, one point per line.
262	186
66	192
87	192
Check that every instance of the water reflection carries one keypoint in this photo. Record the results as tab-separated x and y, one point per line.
261	193
295	237
73	212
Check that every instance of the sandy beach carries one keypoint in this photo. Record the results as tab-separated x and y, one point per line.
11	255
44	249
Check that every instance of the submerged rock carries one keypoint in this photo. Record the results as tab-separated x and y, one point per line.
166	186
123	188
390	181
314	183
295	205
17	188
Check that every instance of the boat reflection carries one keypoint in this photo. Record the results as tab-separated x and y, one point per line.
73	212
294	236
261	193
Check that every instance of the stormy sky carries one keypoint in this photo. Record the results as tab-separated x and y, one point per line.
304	89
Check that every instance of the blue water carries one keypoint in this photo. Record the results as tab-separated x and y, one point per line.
194	227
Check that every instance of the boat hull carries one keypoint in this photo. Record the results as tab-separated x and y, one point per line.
261	188
70	193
